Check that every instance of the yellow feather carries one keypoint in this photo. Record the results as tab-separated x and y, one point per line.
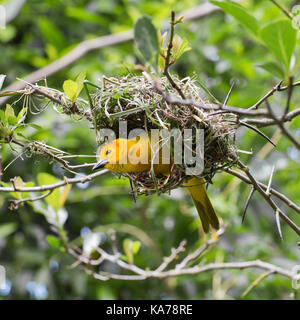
134	155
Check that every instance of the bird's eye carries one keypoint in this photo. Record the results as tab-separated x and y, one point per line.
108	152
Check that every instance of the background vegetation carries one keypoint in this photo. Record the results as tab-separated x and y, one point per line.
222	50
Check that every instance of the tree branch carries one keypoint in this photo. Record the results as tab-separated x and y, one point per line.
267	197
56	185
279	195
137	273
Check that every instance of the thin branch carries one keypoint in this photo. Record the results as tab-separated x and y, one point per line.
199	269
266	96
247	203
277	217
257	281
284	130
228	95
199	105
42	149
59	184
12	9
257	131
270	181
268	199
289	15
137	273
289	97
72	107
199	251
172	257
168	56
269	122
276	193
14	204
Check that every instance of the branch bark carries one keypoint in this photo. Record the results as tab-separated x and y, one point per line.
180	269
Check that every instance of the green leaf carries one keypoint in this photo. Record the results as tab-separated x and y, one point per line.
21	115
44	178
2	117
80	80
239	13
280	38
127	247
161	38
145	36
9	114
70	88
12	120
274	68
2	78
73	88
4	184
131	248
35	126
163	51
179	47
7	228
53	241
135	247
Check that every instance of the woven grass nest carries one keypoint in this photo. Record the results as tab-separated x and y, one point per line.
138	101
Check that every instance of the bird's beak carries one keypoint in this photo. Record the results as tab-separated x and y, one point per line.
100	164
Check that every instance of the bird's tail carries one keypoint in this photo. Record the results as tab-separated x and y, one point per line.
207	214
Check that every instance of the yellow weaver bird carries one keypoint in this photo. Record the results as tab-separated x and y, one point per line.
132	155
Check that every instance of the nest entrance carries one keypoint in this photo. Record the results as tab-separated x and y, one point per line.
136	100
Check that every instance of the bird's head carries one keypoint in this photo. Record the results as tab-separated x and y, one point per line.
110	154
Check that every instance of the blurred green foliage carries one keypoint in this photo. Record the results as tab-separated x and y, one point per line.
222	50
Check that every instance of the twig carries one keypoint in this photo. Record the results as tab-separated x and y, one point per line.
289	97
138	273
276	193
58	184
277	213
247	203
257	281
284	130
269	122
199	251
72	107
60	159
14	204
168	56
289	15
12	9
268	199
226	109
172	257
266	96
270	181
228	95
257	131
